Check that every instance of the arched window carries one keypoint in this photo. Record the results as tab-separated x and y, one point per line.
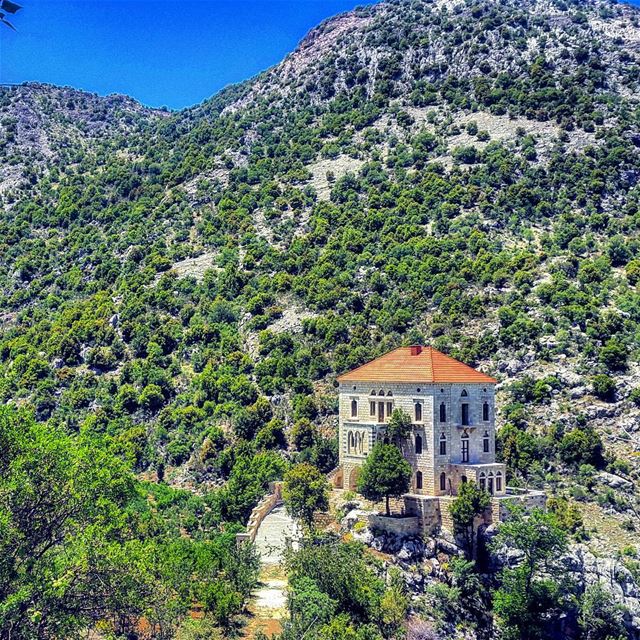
485	442
389	393
491	483
464	413
443	445
381	392
350	442
443	481
373	392
418	411
499	481
485	412
419	480
418	443
483	482
443	412
464	393
465	447
354	408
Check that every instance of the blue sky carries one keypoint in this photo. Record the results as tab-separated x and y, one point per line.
161	52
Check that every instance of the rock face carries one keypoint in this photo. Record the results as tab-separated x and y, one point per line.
587	569
44	124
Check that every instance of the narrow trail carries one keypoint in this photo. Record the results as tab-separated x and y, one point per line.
269	603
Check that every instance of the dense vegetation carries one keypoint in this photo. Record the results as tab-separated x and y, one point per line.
464	176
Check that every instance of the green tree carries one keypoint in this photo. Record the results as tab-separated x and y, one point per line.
470	502
600	616
305	491
303	434
399	426
71	552
532	594
604	387
614	355
581	446
384	474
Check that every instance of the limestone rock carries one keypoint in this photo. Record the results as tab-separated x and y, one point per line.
615	481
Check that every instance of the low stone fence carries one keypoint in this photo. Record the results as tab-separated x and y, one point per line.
260	512
400	526
528	498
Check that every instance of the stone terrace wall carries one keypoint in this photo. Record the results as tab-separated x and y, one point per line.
529	499
405	526
260	511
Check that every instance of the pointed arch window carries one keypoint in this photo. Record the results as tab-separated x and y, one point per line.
443	481
485	411
485	442
464	410
465	447
443	445
418	411
443	412
419	480
464	393
418	443
499	481
483	482
354	408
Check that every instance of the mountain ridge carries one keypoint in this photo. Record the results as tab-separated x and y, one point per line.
189	284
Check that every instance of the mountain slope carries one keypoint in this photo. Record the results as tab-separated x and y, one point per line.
459	174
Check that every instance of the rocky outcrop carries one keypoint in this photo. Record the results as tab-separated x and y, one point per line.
588	569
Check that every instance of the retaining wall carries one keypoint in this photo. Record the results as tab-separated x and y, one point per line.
260	512
404	526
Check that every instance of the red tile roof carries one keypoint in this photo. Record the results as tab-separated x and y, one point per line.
428	365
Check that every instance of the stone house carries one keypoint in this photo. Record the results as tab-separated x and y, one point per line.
452	409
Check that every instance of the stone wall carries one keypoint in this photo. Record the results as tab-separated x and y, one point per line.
404	526
427	509
364	429
433	511
336	478
260	512
529	499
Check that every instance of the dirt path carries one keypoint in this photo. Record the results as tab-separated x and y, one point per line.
269	604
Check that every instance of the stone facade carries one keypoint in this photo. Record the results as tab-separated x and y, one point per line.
452	439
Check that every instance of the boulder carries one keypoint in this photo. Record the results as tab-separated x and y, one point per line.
378	543
365	536
411	548
448	545
430	548
614	481
354	515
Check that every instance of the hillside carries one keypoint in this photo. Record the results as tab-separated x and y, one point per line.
188	285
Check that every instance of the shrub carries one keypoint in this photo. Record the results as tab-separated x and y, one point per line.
604	387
